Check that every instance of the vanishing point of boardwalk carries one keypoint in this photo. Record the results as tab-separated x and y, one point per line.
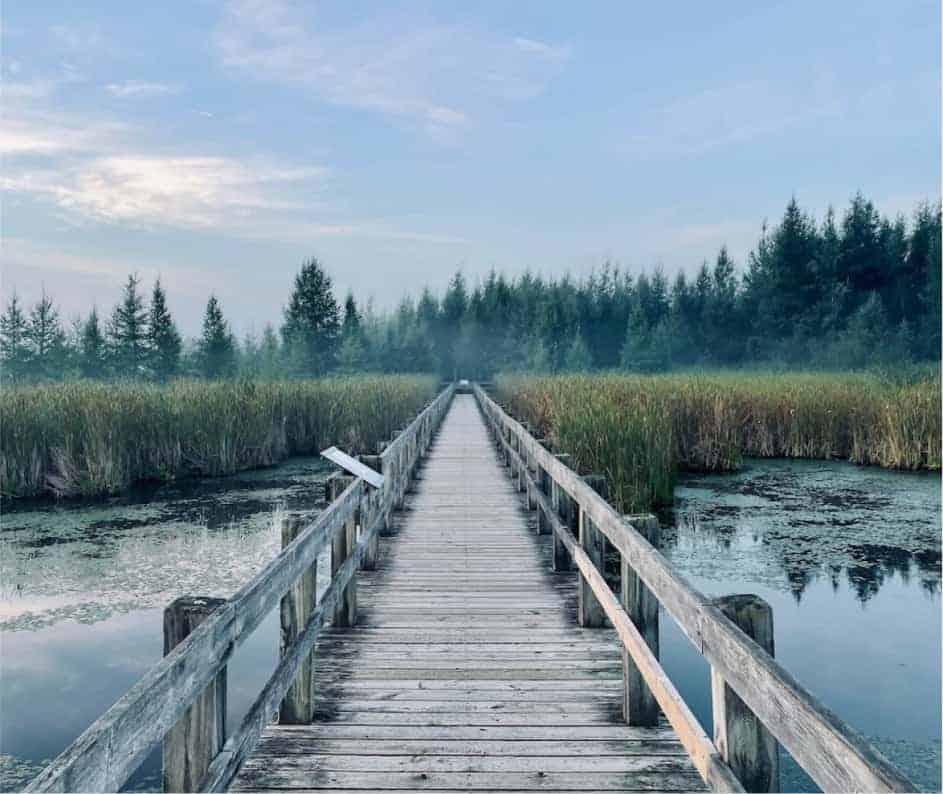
467	669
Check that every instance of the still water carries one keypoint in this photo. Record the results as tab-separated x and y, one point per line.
83	592
849	560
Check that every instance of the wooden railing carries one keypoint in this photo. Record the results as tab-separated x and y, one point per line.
183	696
756	701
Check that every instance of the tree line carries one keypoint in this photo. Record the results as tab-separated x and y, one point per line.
848	292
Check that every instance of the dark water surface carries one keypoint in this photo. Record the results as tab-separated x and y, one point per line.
84	586
849	560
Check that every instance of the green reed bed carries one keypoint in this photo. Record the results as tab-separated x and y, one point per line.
91	438
640	430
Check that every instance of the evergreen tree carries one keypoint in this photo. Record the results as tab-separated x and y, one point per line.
723	316
92	347
217	347
861	261
163	339
127	333
269	354
311	329
46	338
454	306
578	358
638	341
14	341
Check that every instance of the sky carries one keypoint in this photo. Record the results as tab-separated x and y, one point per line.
220	143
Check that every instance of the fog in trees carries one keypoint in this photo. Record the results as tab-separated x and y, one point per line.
854	289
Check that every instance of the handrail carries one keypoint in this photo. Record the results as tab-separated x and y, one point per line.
110	749
834	755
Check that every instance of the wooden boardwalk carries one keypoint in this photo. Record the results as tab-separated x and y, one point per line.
467	669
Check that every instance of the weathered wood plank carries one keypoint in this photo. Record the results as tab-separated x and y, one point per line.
191	744
297	606
284	776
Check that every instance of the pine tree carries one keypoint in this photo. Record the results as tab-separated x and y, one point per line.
724	322
353	356
163	339
578	357
217	347
45	337
860	259
14	343
638	341
269	354
312	324
92	349
127	332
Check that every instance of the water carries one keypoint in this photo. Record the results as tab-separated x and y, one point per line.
83	591
849	560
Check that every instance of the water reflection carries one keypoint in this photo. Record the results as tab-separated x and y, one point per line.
83	590
799	521
849	559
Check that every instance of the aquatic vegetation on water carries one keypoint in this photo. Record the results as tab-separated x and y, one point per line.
93	439
640	430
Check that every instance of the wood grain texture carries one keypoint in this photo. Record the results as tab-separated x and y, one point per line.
296	610
191	745
467	669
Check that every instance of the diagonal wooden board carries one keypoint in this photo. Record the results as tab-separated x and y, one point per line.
354	466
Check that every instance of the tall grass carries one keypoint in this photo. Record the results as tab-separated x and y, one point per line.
90	438
640	430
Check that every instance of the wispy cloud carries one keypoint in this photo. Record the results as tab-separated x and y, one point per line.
140	88
97	171
440	77
185	192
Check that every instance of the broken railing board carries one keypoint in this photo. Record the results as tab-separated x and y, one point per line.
354	466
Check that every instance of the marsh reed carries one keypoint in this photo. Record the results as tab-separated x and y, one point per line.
91	438
640	430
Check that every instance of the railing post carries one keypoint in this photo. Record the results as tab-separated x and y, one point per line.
342	544
196	739
743	741
369	563
297	707
640	706
590	611
544	483
566	509
536	472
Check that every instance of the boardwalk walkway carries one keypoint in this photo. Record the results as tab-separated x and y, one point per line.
466	669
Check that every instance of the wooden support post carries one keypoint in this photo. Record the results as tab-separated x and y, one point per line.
196	739
342	544
297	707
546	486
568	511
590	611
741	739
640	706
375	462
531	495
535	471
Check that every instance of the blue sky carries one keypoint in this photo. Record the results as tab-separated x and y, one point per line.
218	143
